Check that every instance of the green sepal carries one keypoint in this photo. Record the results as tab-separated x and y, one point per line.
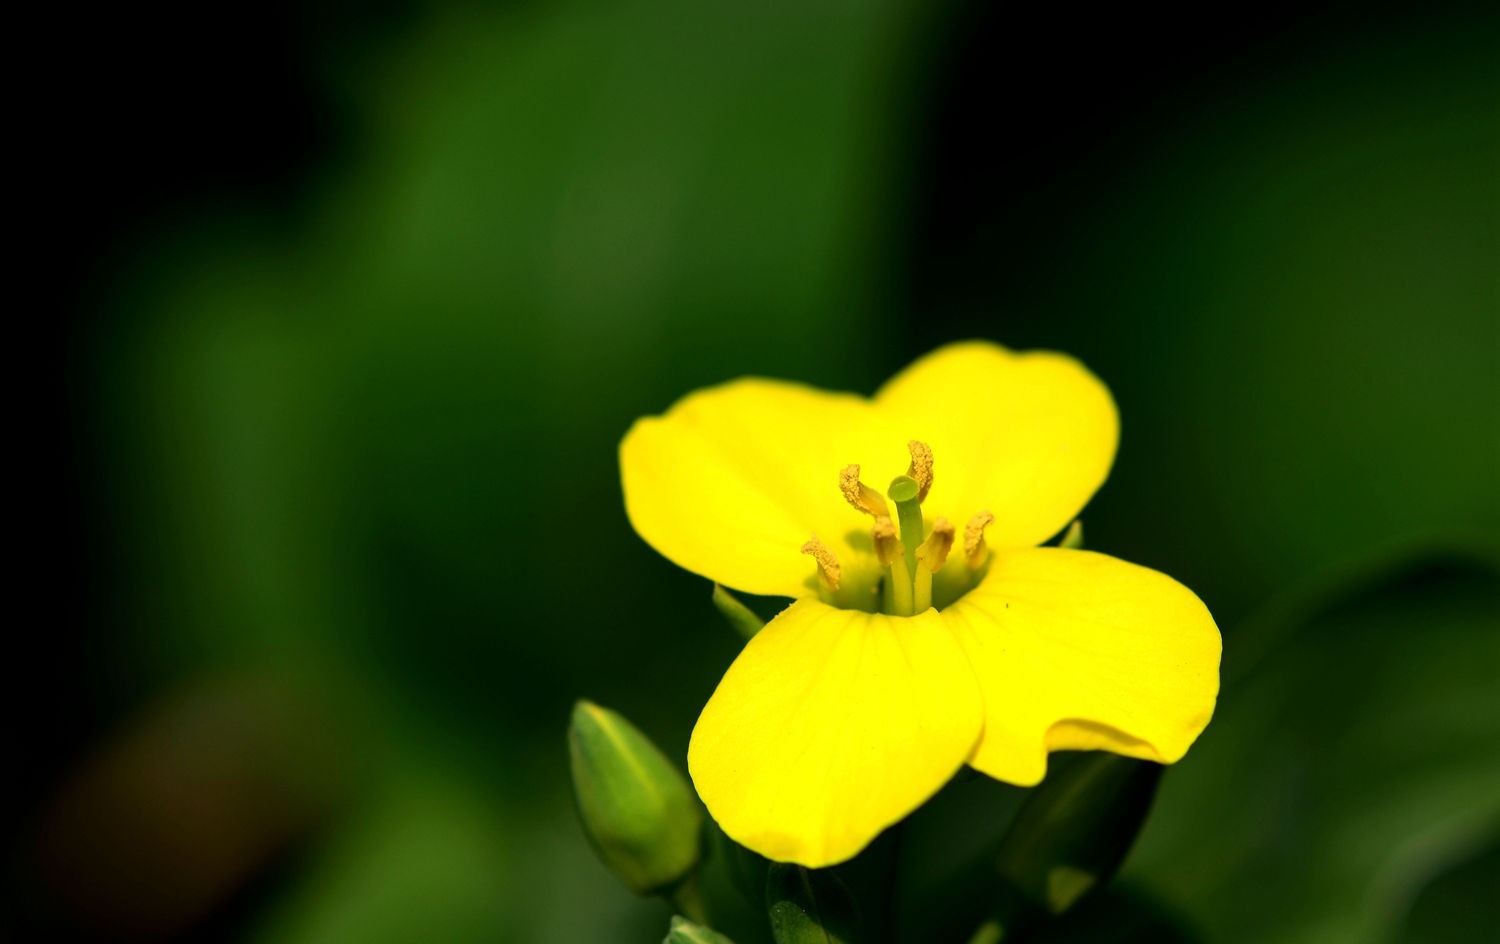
1072	538
741	618
1074	830
684	931
809	906
637	810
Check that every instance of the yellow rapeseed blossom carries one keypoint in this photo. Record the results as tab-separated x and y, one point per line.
928	629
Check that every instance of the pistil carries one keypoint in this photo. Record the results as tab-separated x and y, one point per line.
906	493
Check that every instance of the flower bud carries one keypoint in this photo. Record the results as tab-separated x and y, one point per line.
684	931
636	808
809	906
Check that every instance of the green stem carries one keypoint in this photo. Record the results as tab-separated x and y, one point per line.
686	898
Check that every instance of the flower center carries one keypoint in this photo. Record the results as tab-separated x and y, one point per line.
909	551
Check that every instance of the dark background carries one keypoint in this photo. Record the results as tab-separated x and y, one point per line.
333	314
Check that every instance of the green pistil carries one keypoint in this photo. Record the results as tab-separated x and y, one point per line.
904	491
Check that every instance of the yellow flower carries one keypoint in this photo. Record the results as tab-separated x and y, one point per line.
928	629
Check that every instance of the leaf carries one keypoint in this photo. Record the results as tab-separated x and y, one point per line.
1360	750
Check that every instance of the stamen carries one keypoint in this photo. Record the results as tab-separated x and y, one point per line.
892	554
920	469
903	492
974	547
933	552
931	555
828	565
860	495
887	544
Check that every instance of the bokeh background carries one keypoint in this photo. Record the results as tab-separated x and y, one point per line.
354	302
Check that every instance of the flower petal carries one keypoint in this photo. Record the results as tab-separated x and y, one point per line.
1080	651
733	479
829	727
1029	437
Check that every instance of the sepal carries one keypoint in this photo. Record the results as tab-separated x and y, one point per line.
741	618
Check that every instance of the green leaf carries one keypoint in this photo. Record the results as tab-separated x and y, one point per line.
1355	758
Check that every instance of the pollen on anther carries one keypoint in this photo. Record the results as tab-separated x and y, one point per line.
860	495
974	547
920	469
828	565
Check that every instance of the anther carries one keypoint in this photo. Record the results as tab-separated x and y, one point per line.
933	552
920	469
974	547
828	565
861	496
887	545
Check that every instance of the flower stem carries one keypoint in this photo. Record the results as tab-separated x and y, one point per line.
686	898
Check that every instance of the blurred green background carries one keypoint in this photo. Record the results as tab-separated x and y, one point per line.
346	538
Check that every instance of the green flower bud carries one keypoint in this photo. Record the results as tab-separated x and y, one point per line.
636	808
809	906
1075	829
684	931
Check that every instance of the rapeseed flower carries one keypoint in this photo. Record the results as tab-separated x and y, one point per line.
928	629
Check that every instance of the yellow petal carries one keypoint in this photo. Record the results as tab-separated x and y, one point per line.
830	726
732	480
1028	436
1080	651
